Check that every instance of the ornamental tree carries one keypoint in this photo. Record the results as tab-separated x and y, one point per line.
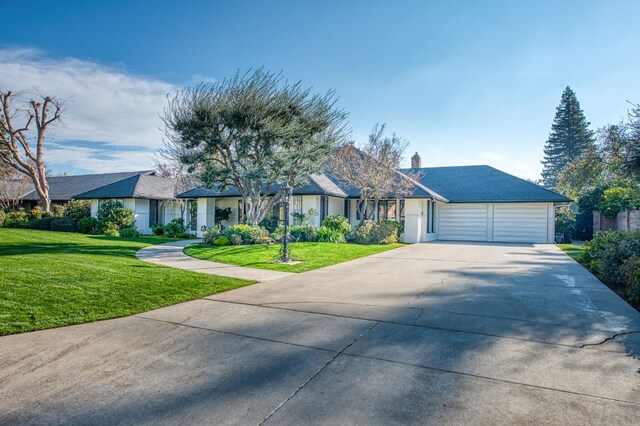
372	168
256	132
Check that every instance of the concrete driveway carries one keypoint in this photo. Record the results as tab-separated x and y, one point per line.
425	334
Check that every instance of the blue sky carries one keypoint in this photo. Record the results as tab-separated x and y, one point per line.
473	82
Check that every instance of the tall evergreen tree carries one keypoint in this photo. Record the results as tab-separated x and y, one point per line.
570	138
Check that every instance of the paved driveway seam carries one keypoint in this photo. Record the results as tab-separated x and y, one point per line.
427	326
477	376
317	373
180	324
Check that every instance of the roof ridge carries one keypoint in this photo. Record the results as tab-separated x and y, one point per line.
133	173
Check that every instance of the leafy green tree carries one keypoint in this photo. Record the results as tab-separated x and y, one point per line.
257	132
632	163
582	173
570	137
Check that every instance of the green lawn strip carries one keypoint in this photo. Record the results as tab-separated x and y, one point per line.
310	255
573	250
51	279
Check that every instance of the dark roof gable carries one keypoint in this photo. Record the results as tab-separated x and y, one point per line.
483	184
64	188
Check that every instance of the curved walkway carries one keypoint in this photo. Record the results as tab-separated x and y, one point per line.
172	255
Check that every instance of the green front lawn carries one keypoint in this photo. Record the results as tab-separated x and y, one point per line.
310	255
51	279
573	250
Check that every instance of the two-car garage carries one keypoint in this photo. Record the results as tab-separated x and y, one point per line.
498	222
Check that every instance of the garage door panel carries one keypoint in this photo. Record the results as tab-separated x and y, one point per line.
520	223
462	222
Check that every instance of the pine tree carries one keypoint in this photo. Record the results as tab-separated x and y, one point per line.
570	138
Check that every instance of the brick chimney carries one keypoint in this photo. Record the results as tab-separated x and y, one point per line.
416	161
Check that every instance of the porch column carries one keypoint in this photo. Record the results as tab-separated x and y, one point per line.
206	214
413	220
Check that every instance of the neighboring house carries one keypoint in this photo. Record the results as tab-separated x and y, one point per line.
465	203
148	195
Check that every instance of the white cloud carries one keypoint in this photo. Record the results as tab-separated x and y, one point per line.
102	103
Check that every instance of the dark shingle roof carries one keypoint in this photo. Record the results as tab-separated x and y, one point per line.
138	186
317	185
64	188
478	184
457	184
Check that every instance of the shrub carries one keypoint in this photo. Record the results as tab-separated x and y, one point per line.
111	232
631	274
43	224
63	224
235	239
304	233
566	222
129	233
264	239
248	234
17	219
361	234
157	229
77	209
210	235
278	233
45	214
328	235
607	251
2	215
87	225
112	216
221	241
57	210
36	212
175	228
385	232
337	223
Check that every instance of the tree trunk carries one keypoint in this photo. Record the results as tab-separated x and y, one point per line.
43	194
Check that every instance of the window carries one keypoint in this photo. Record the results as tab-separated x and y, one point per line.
347	209
368	212
154	212
433	216
387	210
192	211
277	217
324	207
297	204
402	213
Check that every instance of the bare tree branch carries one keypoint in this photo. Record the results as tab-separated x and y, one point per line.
16	147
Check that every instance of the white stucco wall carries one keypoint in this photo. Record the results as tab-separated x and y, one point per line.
414	220
206	214
336	206
172	211
141	209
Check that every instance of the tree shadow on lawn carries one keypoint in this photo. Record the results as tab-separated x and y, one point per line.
104	249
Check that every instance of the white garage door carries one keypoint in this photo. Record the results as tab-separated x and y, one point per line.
515	223
462	222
